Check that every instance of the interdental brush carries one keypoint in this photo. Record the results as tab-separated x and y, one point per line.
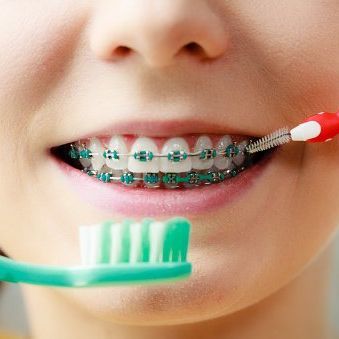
320	127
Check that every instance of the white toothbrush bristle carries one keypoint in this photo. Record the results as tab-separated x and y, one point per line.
94	244
116	243
157	233
84	244
136	242
89	244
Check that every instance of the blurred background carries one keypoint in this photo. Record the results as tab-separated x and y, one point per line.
13	318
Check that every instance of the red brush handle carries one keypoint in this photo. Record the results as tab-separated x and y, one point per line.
329	123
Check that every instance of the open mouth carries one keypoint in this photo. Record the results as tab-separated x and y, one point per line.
151	176
142	162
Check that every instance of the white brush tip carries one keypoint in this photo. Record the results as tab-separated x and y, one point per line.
305	131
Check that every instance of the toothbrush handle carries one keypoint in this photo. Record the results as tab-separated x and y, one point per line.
329	126
317	128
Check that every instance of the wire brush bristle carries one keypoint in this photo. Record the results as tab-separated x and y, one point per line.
276	138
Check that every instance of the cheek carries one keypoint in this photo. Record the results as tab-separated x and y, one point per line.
35	41
295	46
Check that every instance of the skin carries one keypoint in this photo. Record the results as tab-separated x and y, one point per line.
261	263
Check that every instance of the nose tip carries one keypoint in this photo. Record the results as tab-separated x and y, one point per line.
157	31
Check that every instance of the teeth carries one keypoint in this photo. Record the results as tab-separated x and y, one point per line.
118	144
146	162
203	142
175	144
143	159
239	159
97	159
84	161
222	162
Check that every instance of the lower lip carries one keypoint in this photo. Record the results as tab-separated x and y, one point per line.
117	199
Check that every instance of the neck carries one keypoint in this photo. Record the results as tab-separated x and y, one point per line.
298	310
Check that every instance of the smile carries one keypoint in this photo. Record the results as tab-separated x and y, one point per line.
140	176
183	162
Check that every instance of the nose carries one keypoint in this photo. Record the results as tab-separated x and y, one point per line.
158	31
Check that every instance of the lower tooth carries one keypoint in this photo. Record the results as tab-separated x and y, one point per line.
86	163
127	178
170	180
152	180
206	174
138	180
194	178
217	176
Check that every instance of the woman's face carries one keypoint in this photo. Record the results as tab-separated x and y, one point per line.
71	68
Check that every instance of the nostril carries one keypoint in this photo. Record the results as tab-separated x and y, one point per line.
193	48
122	51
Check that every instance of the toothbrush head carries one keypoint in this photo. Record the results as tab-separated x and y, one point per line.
116	253
148	241
274	139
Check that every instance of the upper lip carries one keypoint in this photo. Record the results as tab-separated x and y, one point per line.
160	128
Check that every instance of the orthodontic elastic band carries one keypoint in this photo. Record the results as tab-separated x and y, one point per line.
230	151
192	177
156	179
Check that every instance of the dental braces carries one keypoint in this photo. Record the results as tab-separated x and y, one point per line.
230	151
192	177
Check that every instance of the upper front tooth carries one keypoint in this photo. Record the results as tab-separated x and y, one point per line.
117	144
203	142
179	163
142	159
97	159
221	161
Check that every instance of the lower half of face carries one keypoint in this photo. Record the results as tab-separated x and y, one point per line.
256	222
242	250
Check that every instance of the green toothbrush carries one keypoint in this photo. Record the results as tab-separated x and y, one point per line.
115	253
